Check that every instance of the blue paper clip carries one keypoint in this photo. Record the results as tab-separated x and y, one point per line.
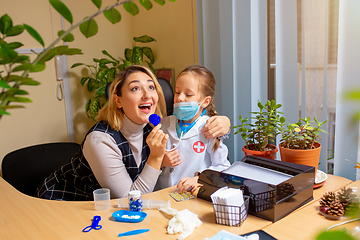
95	224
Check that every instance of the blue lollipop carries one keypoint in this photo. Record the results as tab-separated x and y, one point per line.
154	119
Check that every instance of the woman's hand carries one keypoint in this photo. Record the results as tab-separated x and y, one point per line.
186	183
157	143
216	126
171	159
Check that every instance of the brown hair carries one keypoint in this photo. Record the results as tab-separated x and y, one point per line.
206	82
114	116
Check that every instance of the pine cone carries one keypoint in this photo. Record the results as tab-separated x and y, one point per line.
286	189
327	199
352	207
348	199
336	209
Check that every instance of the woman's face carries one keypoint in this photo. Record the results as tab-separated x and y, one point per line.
138	97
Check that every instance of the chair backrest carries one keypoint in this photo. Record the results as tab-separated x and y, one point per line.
26	168
168	94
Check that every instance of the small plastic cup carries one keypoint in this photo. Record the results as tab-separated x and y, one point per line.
102	199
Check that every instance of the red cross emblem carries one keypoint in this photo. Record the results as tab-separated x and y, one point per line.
199	147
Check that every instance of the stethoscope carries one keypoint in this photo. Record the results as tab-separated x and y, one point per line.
155	119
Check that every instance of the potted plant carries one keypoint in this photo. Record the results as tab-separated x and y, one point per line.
105	70
262	131
298	143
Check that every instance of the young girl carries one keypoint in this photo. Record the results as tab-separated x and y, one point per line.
193	105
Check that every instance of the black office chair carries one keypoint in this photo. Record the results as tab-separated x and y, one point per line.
26	168
168	94
165	86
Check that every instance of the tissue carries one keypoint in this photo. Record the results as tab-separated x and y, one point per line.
229	206
183	222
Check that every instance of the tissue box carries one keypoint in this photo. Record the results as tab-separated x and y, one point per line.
231	215
275	188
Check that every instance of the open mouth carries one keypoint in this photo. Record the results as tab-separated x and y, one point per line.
146	107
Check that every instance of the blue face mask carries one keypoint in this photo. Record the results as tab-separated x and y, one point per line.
186	110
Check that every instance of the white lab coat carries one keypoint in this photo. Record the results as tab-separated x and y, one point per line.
195	150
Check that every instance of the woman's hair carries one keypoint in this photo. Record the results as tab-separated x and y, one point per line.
114	116
206	81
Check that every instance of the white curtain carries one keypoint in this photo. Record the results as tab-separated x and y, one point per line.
233	44
348	78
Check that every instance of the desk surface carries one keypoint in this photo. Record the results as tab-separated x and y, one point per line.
307	222
24	217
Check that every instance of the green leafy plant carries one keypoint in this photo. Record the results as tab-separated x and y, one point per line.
266	125
16	68
354	95
301	135
105	70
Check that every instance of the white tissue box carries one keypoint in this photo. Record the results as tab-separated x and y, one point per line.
230	210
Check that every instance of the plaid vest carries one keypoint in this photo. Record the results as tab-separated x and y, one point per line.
127	155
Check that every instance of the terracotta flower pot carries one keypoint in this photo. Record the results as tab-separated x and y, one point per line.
265	154
308	157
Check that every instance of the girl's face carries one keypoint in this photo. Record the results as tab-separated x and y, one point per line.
187	89
138	97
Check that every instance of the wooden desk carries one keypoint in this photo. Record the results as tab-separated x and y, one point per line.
306	223
24	217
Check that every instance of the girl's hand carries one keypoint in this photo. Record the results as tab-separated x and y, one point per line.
216	126
157	143
171	159
186	183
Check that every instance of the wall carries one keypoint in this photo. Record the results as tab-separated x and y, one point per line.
174	28
172	25
43	120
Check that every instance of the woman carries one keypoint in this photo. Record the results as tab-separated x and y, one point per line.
121	151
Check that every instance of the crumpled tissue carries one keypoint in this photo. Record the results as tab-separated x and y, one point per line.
183	222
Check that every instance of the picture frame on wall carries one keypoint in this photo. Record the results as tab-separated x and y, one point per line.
167	73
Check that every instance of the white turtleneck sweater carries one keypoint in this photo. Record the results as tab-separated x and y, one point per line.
105	160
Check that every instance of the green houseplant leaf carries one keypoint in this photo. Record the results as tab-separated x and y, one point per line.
97	3
149	53
7	54
15	45
128	54
89	28
62	9
137	56
3	112
146	4
144	39
68	38
161	2
107	54
15	30
113	15
5	23
4	84
34	34
20	99
131	8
